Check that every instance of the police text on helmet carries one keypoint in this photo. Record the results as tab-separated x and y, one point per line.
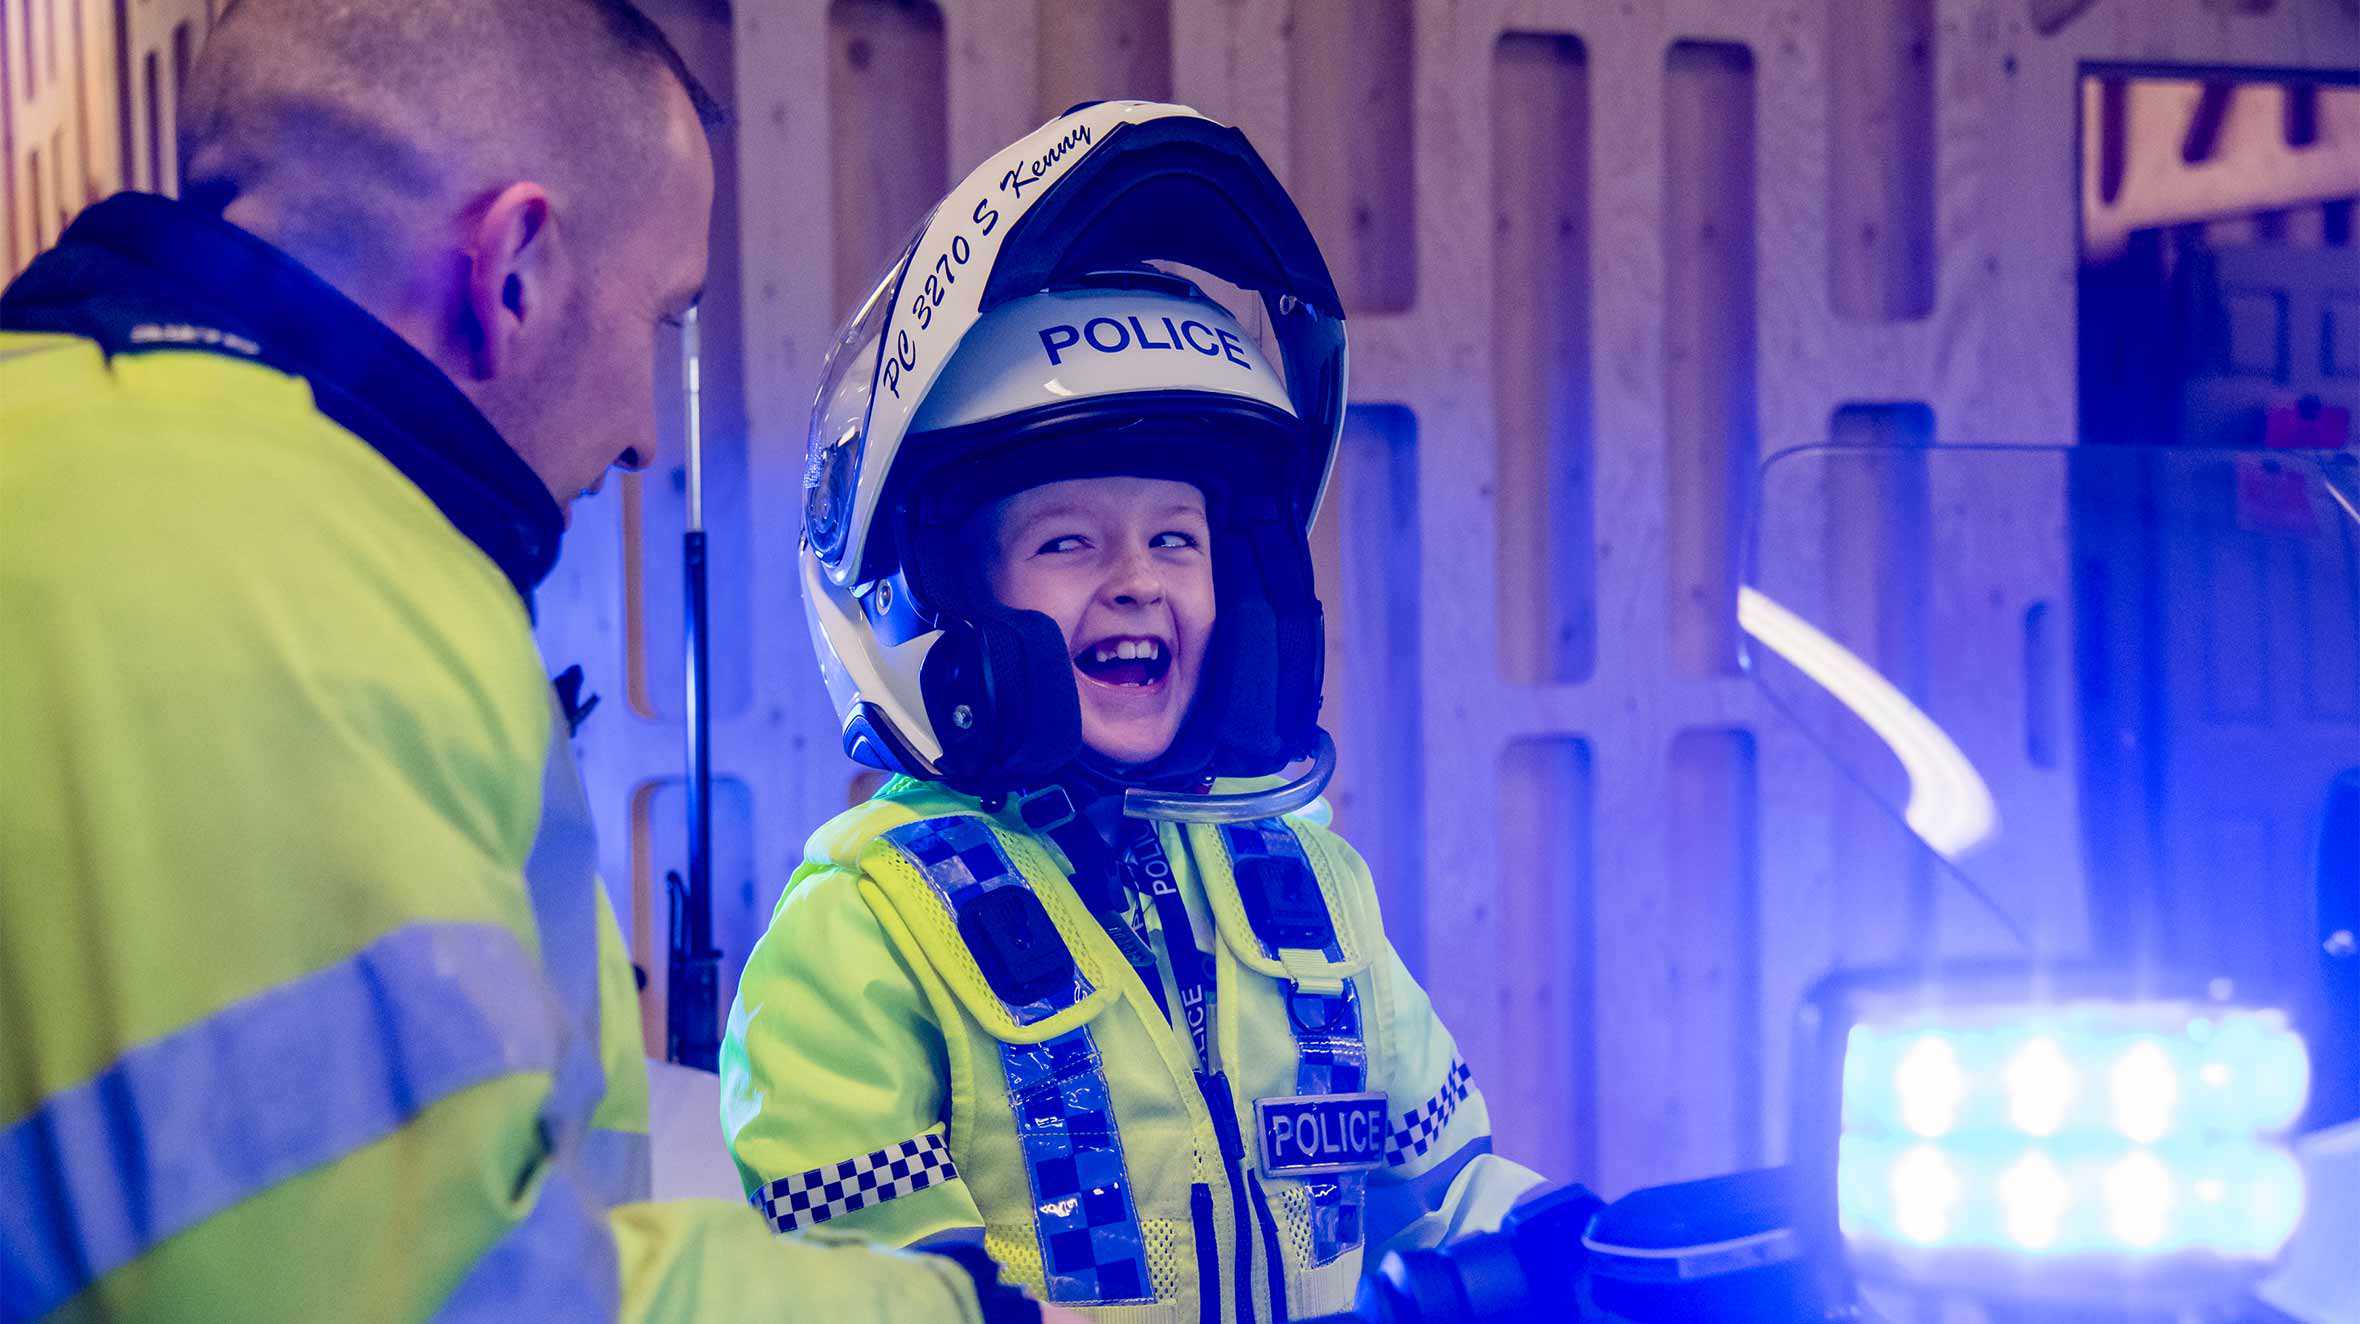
1107	335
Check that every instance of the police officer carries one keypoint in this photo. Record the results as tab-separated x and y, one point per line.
1086	981
310	1006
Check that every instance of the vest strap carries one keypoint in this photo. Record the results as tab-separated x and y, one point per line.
1323	1008
1010	951
1083	1211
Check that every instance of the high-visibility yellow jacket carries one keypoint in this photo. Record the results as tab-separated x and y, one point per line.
285	1031
911	1057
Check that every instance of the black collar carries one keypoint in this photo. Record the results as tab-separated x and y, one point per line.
141	272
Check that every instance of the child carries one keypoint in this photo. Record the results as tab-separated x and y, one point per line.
1071	984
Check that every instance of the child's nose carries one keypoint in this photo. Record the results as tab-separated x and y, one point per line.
1135	582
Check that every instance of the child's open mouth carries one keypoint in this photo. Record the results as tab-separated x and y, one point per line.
1125	660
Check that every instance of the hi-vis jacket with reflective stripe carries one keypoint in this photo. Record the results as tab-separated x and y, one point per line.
905	1060
285	1031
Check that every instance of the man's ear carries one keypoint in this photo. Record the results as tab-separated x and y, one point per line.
511	253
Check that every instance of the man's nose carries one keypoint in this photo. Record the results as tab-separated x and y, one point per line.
635	459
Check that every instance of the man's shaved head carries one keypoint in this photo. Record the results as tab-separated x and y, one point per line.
521	189
341	122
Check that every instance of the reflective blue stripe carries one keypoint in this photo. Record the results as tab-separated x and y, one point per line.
1083	1213
562	876
616	1165
558	1264
1332	1054
182	1128
963	861
1268	843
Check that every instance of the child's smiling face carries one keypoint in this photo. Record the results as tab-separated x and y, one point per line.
1125	568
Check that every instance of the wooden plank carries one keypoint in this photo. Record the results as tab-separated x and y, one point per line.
1367	546
787	745
2248	164
1536	1039
15	241
1353	161
888	128
1880	208
1548	621
1108	50
990	48
1709	341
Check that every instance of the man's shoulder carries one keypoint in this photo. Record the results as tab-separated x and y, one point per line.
202	505
49	373
155	447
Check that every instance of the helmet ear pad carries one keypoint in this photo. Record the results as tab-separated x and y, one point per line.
999	692
1269	650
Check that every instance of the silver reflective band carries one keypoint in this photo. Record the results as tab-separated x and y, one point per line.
561	875
557	1264
618	1166
183	1127
1686	1262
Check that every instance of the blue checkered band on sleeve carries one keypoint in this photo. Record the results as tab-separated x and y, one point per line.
1333	1059
1420	1127
1091	1251
963	860
810	1198
1270	838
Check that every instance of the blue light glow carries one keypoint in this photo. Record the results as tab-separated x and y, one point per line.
2041	1085
2139	1199
2234	1200
2145	1071
2036	1196
1930	1085
2144	1085
1925	1189
2123	1130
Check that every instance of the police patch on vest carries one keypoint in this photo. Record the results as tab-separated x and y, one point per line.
1312	1133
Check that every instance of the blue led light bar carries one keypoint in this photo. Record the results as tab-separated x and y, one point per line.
2082	1131
2143	1071
2022	1137
2234	1200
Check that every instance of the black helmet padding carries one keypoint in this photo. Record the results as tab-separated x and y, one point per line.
1257	705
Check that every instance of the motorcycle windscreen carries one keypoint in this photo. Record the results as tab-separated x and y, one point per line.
2069	701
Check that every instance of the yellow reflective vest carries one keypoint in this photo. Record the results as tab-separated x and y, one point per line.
936	1038
310	1007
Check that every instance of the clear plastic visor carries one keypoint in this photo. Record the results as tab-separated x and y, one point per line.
840	415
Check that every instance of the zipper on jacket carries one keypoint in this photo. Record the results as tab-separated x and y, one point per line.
1208	1255
1276	1264
1215	1088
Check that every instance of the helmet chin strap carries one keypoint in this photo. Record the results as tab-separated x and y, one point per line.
1236	807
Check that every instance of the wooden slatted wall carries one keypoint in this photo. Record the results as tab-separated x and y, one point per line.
1601	257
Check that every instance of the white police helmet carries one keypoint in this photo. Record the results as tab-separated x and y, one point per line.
1023	337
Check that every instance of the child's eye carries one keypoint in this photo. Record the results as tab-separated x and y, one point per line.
1071	542
1172	538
